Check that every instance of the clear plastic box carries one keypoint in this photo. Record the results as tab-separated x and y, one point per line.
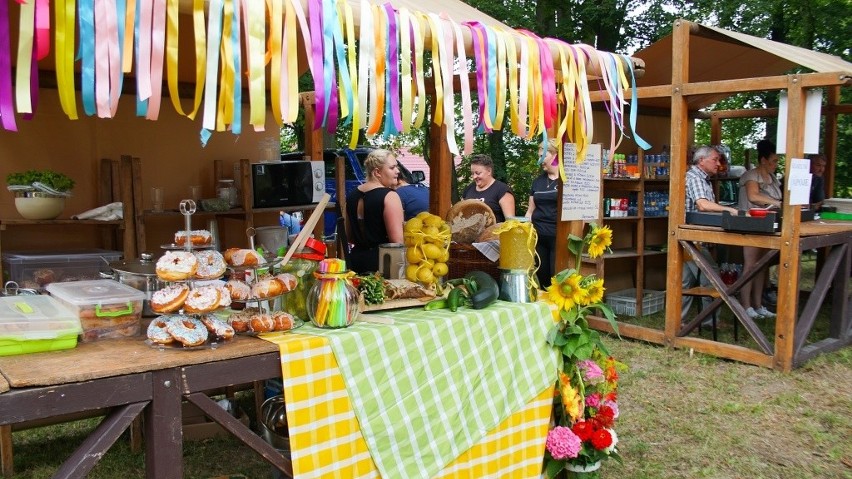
106	308
37	269
33	323
624	301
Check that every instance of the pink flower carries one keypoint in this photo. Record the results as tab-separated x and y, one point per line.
593	400
592	373
562	443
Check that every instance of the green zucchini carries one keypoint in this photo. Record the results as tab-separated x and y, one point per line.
487	289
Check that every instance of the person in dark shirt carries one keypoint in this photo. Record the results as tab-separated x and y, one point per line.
374	214
542	212
496	194
818	163
415	198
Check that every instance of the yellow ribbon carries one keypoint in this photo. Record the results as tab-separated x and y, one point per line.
404	27
226	77
129	28
26	34
501	77
276	30
512	60
419	75
353	76
172	20
65	12
255	24
377	80
290	93
438	117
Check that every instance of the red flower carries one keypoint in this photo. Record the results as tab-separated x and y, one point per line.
613	396
605	416
583	430
601	439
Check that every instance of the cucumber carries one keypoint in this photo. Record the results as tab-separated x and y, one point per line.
487	289
454	299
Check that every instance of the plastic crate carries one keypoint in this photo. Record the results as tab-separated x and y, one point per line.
37	269
624	301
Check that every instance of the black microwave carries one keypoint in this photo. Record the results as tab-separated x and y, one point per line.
287	183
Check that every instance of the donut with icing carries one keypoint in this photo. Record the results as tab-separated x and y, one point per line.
267	288
242	257
224	296
187	330
275	321
196	237
158	331
241	320
202	300
169	299
240	291
211	264
217	327
288	281
176	266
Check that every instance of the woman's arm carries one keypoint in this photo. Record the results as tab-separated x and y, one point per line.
507	204
758	198
394	217
530	207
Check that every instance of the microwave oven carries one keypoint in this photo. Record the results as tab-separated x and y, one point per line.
287	183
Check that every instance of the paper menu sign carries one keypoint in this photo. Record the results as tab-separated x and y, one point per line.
799	181
581	193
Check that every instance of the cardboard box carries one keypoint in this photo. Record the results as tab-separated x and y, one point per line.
197	426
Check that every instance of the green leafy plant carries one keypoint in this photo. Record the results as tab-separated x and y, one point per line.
52	179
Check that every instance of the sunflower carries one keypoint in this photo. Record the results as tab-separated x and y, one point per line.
567	293
601	239
595	291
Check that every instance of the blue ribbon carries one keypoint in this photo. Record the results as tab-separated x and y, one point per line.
492	73
86	53
141	105
634	106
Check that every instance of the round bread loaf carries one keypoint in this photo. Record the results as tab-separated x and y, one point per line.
468	219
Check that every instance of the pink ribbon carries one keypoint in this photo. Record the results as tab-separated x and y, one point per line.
42	25
315	15
158	50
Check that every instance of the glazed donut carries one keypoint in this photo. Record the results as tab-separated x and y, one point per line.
262	323
283	321
239	290
176	266
169	299
267	288
202	300
217	327
241	320
224	296
158	331
288	281
242	257
211	264
188	331
196	237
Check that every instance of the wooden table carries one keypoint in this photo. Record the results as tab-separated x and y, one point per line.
131	378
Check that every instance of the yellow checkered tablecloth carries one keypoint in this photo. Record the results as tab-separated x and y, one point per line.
326	441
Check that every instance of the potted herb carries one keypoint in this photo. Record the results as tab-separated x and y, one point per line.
39	194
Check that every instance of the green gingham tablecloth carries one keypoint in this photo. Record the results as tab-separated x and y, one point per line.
428	387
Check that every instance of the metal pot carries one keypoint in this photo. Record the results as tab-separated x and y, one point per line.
140	274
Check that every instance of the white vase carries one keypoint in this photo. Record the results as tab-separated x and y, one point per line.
35	205
581	468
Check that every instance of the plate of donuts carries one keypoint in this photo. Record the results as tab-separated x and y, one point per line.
188	332
179	247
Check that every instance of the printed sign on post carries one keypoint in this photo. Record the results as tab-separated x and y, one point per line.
799	182
581	193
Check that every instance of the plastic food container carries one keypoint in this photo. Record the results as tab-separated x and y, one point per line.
106	308
32	324
37	269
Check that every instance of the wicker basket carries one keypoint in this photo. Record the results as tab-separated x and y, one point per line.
464	258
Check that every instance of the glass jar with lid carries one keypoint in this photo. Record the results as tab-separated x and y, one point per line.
333	301
228	191
302	265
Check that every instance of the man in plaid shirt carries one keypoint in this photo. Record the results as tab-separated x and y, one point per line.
700	197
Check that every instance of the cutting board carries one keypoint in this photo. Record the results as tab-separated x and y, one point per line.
398	304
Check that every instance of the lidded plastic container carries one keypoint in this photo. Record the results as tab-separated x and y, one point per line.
34	323
302	265
106	308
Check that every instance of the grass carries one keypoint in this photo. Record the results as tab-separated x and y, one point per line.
682	416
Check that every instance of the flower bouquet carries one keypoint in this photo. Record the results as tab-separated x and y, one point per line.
583	433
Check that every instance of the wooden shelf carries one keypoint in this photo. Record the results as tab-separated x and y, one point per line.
66	221
607	219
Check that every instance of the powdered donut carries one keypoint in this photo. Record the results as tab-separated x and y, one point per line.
158	332
224	296
217	327
169	299
188	331
211	264
240	291
202	300
288	281
196	237
176	266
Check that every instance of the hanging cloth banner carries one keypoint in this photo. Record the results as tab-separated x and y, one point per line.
464	86
108	58
419	75
64	18
23	66
393	122
42	29
377	81
255	27
86	53
158	44
214	32
316	44
7	108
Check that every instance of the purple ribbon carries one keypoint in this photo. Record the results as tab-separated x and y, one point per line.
7	108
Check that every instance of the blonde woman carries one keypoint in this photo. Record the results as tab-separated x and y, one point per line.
542	211
374	212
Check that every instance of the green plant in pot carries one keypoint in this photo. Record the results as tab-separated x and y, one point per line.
39	194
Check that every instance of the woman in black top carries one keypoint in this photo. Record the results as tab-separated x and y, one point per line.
496	194
374	214
542	212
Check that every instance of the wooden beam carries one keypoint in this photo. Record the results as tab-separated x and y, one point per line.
830	148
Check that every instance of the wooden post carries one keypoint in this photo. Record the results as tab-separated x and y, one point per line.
677	177
313	138
830	150
441	167
789	261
